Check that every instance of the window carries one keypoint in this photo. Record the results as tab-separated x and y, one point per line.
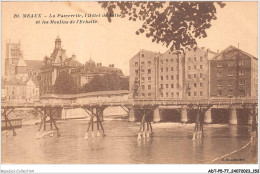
161	86
171	60
166	77
229	82
172	94
195	94
242	72
143	94
149	62
166	85
219	93
161	61
230	92
195	59
166	94
195	67
142	70
189	59
194	76
242	92
219	83
242	82
177	77
219	65
161	94
143	78
171	68
142	54
201	75
201	67
149	94
219	74
201	93
161	69
189	67
201	85
149	71
149	86
161	77
189	94
231	63
172	86
201	58
242	63
195	85
167	68
177	85
177	93
166	60
143	87
149	78
230	72
136	64
189	76
172	77
142	63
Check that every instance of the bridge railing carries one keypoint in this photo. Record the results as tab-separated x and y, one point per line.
123	101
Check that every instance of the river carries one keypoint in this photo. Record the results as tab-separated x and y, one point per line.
171	144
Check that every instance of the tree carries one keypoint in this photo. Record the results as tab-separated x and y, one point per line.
65	84
107	82
173	23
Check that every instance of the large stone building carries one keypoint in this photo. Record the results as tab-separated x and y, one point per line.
59	62
53	65
233	73
20	75
171	74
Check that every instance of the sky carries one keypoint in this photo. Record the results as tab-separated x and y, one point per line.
116	42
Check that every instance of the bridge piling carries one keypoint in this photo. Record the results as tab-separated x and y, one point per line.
5	114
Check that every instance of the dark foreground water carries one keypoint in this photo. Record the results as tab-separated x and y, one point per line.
171	144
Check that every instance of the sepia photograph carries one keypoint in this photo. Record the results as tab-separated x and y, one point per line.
130	82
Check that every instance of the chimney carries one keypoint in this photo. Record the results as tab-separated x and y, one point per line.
73	56
112	65
100	64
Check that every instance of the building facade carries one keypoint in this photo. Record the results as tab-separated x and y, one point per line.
233	73
20	73
171	74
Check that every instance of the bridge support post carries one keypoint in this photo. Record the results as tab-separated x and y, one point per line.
233	115
156	115
131	115
208	118
250	117
184	115
145	120
5	114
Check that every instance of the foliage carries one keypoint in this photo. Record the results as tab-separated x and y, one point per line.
65	84
107	82
173	23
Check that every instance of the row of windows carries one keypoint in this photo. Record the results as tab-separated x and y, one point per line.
232	72
195	76
194	85
172	77
195	94
231	92
195	59
195	67
230	82
169	86
231	63
170	94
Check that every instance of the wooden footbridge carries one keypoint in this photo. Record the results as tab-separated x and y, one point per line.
96	107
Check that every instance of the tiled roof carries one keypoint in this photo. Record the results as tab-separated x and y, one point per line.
71	62
15	81
34	64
